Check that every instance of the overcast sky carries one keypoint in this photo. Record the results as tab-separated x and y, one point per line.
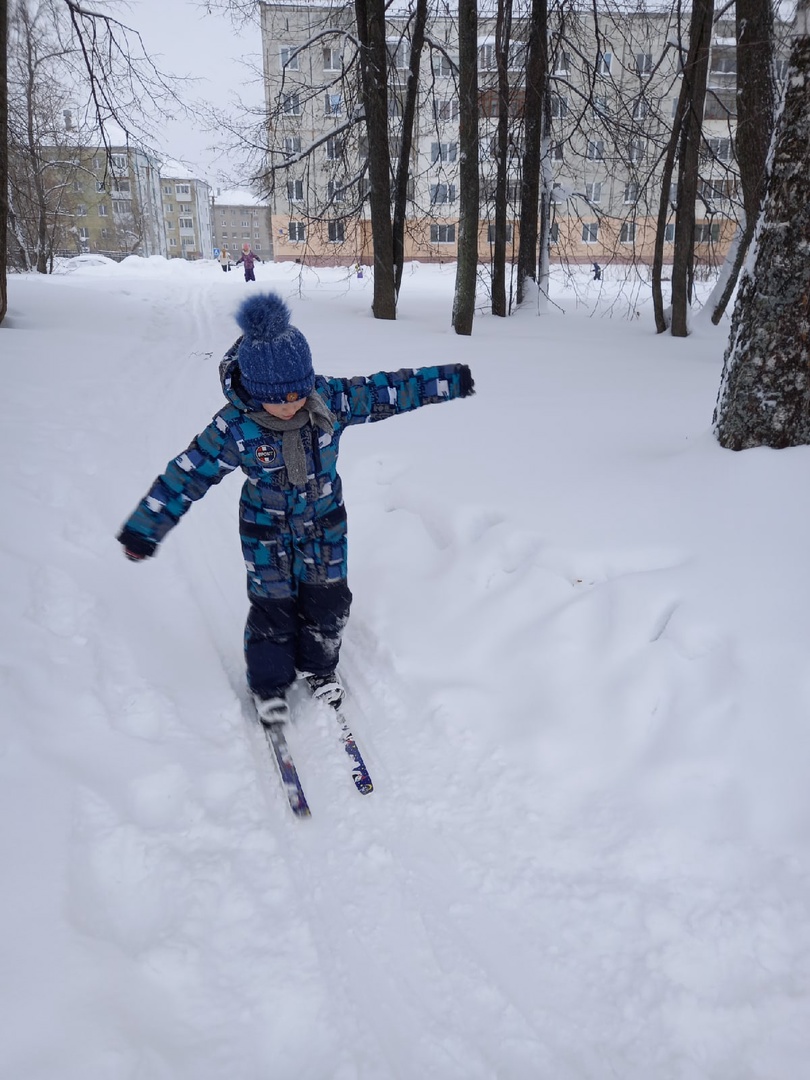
183	41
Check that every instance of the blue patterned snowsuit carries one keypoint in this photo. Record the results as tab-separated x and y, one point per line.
293	539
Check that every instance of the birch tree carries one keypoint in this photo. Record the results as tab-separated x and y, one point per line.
764	396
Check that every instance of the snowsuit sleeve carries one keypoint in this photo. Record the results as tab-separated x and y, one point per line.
210	457
365	399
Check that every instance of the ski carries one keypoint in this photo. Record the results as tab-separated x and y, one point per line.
362	781
274	733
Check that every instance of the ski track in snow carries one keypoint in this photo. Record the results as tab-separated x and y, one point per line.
472	918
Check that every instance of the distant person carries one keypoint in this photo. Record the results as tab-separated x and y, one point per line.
282	426
597	272
225	260
248	258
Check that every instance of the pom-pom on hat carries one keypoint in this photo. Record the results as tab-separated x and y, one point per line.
273	357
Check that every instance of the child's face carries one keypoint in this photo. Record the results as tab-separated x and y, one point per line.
286	411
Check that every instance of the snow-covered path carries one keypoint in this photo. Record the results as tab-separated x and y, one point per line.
577	664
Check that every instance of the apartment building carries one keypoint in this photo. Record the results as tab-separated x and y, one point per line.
186	213
615	87
239	217
108	204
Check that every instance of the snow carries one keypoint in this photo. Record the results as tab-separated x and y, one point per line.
577	664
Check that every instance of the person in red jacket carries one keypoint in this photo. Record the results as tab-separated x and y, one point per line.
248	259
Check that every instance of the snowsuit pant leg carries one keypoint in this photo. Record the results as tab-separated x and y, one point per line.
270	638
249	275
322	612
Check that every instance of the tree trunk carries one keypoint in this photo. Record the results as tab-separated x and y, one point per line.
3	157
408	118
467	264
764	397
503	34
756	96
536	95
694	77
373	65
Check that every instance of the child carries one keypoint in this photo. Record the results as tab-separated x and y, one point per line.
282	426
249	258
225	260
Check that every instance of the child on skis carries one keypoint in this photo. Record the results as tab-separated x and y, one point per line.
282	426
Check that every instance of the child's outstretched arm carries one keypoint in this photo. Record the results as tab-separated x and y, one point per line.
212	455
365	399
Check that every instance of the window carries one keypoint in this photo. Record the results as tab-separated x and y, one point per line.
443	151
81	210
719	149
398	54
721	188
491	233
333	105
559	106
169	224
172	242
289	58
517	56
186	222
297	231
257	236
720	105
442	65
102	210
257	246
442	234
442	193
364	186
562	63
628	233
486	57
603	62
558	151
644	63
291	105
780	67
188	242
723	61
337	231
488	104
631	192
336	192
669	233
169	208
332	60
554	233
78	186
292	145
394	108
600	105
295	190
706	233
84	235
245	223
445	109
334	148
182	189
640	109
590	232
122	206
593	192
168	189
120	187
596	150
119	162
636	150
100	186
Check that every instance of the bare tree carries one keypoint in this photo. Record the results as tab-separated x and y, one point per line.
536	125
467	265
3	157
406	142
756	94
764	397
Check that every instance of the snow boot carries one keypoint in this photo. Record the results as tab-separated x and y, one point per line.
327	688
272	710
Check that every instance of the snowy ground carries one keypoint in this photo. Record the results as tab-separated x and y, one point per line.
578	671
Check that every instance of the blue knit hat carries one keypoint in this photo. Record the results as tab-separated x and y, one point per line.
274	358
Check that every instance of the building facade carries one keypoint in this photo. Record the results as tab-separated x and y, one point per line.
615	85
186	203
238	217
109	204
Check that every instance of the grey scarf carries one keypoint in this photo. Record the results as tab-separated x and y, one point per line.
315	412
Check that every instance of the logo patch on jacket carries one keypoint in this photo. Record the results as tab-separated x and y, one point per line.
265	455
